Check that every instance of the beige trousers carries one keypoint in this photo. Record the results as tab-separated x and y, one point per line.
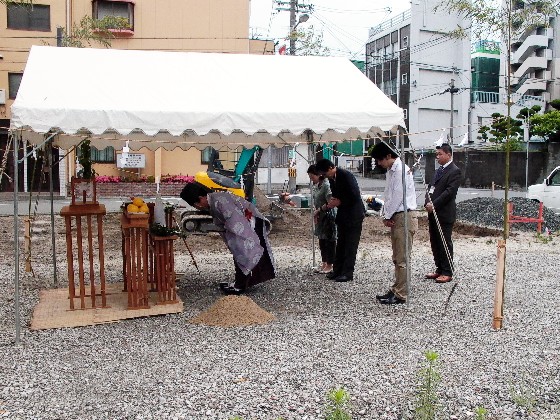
398	238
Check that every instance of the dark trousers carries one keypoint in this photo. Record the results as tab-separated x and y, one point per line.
327	248
443	264
347	248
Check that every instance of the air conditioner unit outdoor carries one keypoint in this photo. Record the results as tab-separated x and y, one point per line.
2	96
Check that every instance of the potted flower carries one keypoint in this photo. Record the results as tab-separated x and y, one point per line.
83	186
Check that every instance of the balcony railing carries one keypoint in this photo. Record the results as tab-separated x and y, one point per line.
497	98
390	23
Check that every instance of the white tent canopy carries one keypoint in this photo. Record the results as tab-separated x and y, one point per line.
180	99
165	100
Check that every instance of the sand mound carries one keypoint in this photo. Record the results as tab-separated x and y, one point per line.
233	311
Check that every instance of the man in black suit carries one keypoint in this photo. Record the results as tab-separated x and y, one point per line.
347	198
440	203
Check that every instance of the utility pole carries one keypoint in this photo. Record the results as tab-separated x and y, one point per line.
293	5
294	8
452	89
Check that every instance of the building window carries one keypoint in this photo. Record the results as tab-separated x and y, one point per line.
404	79
124	9
29	17
14	80
106	155
280	157
390	87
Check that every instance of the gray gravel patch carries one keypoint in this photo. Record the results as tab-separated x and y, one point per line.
326	335
488	212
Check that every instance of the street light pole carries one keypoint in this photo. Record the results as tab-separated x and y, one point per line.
293	4
452	89
293	26
527	139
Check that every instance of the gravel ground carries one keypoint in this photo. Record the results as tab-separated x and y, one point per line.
325	335
487	211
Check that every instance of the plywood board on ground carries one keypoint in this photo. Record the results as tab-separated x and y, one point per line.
53	311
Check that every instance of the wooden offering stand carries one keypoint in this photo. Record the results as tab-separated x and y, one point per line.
148	260
85	206
134	228
164	269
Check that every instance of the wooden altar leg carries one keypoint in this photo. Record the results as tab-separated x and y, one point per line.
81	261
138	298
134	271
159	271
127	265
124	252
90	255
172	284
70	258
100	243
145	297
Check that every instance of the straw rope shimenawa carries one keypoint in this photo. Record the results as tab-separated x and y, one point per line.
233	311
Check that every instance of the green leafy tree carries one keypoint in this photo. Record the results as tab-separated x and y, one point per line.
308	42
555	103
547	125
499	129
90	31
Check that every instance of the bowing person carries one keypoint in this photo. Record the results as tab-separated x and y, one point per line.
245	234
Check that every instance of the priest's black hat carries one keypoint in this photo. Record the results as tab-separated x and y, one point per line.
192	192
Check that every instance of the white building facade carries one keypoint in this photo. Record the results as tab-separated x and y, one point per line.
535	64
417	64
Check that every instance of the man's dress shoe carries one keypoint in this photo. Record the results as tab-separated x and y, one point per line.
230	290
385	296
393	300
444	279
432	276
332	275
343	278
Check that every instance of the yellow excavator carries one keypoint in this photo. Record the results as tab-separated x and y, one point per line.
240	182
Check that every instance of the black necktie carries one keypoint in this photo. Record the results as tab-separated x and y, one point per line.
439	173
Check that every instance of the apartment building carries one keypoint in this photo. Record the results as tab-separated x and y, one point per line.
414	61
535	61
173	25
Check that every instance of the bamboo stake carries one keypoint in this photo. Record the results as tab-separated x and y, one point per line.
499	290
27	243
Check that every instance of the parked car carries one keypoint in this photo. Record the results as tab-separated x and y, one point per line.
548	192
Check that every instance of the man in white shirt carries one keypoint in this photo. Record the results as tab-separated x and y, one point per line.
394	214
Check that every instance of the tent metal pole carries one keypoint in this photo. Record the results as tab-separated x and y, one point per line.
311	158
269	167
16	238
50	162
312	207
406	243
